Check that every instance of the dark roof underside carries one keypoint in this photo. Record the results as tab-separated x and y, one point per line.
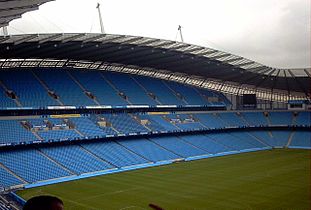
157	57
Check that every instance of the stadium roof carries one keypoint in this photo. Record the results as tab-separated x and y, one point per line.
159	55
13	9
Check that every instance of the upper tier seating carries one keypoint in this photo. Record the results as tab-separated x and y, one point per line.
125	84
5	101
46	87
212	94
29	91
94	82
189	94
62	84
160	90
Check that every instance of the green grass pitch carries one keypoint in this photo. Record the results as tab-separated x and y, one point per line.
275	179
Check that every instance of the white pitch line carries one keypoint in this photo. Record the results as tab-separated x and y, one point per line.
129	207
110	193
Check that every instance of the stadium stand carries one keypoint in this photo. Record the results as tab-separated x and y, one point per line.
12	131
73	88
158	90
75	158
102	91
5	101
206	143
301	139
280	138
65	88
148	150
281	118
231	119
114	153
59	147
7	179
187	94
32	165
210	120
88	126
231	141
24	81
74	106
59	135
178	146
303	118
255	118
132	91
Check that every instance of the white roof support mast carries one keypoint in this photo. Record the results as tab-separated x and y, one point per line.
100	19
179	30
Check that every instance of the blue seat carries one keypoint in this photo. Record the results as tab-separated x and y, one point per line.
148	149
178	146
124	83
29	91
281	118
190	94
114	153
160	90
303	118
301	139
96	84
255	118
124	123
7	179
32	166
75	159
68	91
11	131
206	143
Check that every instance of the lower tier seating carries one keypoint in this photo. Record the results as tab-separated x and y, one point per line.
34	164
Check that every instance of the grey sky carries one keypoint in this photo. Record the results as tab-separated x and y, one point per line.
273	32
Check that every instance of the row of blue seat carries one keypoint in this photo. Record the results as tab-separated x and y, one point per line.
12	131
49	162
31	88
